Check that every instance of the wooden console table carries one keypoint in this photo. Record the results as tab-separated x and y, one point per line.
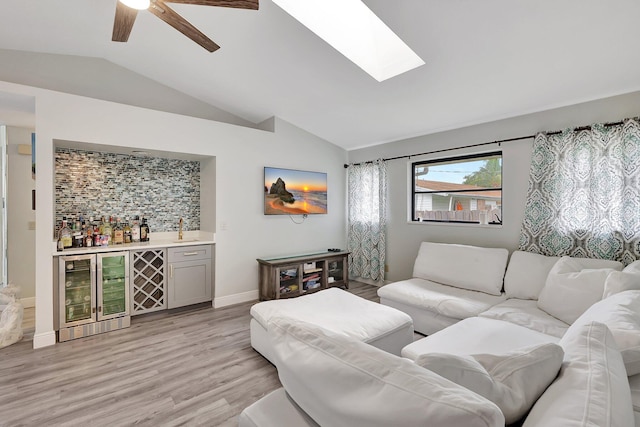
292	276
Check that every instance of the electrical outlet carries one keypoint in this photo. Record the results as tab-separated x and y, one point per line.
31	225
224	226
386	268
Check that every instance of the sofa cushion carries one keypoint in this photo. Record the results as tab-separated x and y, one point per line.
621	313
526	313
513	380
339	311
467	267
571	287
625	280
592	388
339	381
477	335
526	274
443	299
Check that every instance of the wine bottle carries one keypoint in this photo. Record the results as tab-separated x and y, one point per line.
88	238
144	231
126	228
65	235
135	229
107	231
118	233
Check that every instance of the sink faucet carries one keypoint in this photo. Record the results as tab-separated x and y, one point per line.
180	230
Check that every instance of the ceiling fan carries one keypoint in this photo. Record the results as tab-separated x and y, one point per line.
127	10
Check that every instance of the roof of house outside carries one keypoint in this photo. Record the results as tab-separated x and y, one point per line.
446	187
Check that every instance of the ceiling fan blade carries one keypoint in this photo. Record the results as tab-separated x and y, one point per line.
123	22
168	15
239	4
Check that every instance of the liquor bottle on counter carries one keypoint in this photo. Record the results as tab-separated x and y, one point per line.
135	229
76	234
126	228
118	233
101	226
65	234
88	237
144	231
107	230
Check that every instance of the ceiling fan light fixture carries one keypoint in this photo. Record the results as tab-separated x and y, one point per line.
351	28
136	4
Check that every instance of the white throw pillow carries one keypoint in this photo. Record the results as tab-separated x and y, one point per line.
462	266
526	274
339	381
621	313
592	389
625	280
571	289
513	381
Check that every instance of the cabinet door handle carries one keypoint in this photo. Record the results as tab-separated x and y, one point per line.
99	308
171	271
190	253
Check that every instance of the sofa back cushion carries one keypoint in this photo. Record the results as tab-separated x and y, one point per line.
340	381
526	274
573	285
625	280
592	388
621	314
467	267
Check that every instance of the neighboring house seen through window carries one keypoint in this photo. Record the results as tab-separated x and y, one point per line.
465	189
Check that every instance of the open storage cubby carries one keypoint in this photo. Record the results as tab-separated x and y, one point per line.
292	276
288	279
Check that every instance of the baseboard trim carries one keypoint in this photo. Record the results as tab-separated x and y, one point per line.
235	299
369	281
28	302
44	340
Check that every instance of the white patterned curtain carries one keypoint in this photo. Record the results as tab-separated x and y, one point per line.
367	187
584	194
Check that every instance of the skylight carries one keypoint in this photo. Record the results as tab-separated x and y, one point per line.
357	33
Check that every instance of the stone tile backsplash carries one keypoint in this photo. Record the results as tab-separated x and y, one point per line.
100	184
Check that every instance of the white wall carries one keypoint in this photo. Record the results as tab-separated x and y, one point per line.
241	153
404	238
21	240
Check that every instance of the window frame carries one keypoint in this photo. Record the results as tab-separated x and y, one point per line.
413	219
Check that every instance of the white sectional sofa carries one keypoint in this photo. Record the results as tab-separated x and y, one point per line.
540	342
453	282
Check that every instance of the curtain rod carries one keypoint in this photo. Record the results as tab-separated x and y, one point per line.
500	141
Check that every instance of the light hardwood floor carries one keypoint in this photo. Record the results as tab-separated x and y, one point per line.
194	367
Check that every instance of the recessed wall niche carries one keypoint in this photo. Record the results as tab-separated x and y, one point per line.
94	183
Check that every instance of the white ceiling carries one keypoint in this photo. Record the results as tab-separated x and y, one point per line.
485	60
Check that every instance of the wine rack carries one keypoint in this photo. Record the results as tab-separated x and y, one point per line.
148	290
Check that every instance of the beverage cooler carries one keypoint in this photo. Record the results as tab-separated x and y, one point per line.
94	294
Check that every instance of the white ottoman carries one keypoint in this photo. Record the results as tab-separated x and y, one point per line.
339	311
477	335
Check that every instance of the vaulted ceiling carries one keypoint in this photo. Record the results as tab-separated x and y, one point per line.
485	60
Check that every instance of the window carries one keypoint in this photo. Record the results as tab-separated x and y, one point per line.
466	189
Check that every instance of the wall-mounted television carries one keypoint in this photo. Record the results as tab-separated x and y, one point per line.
294	192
